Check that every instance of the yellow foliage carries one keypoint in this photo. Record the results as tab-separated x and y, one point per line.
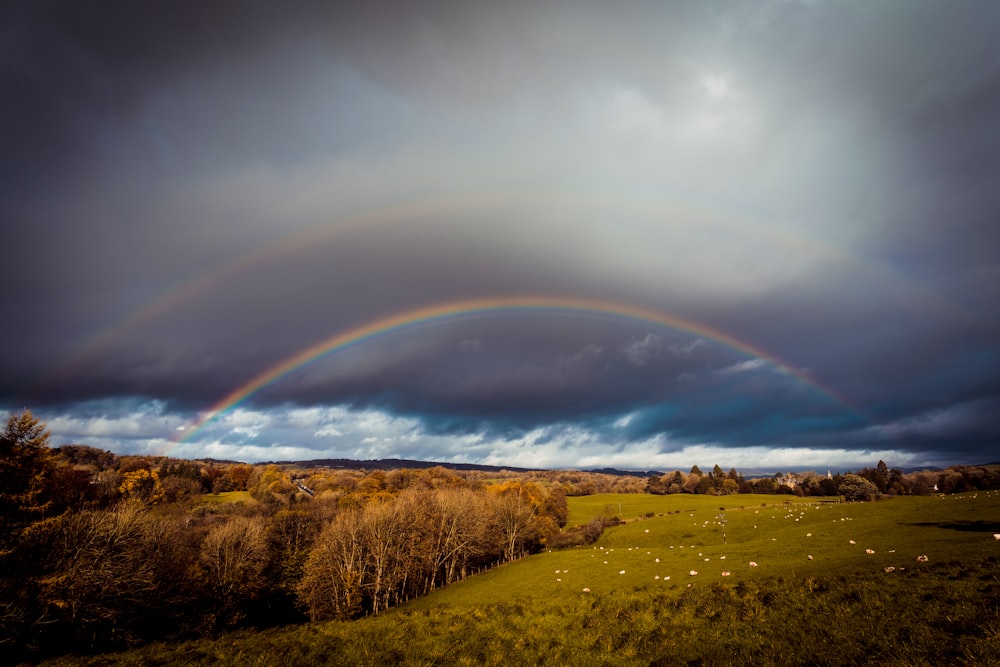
143	485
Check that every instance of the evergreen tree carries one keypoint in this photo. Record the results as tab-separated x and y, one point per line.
26	464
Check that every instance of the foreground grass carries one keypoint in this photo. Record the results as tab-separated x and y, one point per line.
644	607
931	617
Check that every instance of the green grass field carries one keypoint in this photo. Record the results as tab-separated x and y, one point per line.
778	534
225	498
645	607
631	506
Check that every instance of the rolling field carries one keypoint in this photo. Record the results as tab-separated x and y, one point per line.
631	599
779	535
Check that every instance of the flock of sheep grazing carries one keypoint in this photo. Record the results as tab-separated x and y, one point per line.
796	515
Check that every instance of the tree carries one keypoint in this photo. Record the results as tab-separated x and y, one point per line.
178	489
555	506
143	485
271	484
71	488
457	533
855	487
26	464
239	476
705	486
233	556
729	486
291	533
764	485
657	484
99	575
515	524
677	482
335	570
383	535
879	476
692	481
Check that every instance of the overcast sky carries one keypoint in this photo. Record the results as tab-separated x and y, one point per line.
801	199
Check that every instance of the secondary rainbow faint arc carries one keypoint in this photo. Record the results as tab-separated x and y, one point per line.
193	286
491	305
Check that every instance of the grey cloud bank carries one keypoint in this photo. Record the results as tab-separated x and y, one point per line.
192	194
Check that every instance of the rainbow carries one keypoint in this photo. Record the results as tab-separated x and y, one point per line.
406	212
174	297
489	306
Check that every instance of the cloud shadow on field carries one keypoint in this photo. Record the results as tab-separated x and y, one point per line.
964	526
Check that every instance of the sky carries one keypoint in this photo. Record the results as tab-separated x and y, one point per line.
642	235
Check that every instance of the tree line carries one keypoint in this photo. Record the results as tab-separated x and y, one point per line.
865	484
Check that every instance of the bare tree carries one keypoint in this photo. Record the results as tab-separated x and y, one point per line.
384	534
331	586
100	572
514	521
233	557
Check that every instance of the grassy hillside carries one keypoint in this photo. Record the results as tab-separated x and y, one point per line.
779	536
644	606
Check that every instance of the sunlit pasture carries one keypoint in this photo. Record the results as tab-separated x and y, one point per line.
784	536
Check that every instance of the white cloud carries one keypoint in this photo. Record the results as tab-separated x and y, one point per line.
111	420
339	432
624	421
639	352
244	422
742	367
686	349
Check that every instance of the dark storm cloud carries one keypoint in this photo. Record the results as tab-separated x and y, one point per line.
819	180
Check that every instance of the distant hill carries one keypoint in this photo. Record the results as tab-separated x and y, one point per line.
395	464
392	464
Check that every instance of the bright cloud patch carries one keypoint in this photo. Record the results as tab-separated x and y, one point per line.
716	87
339	432
743	367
